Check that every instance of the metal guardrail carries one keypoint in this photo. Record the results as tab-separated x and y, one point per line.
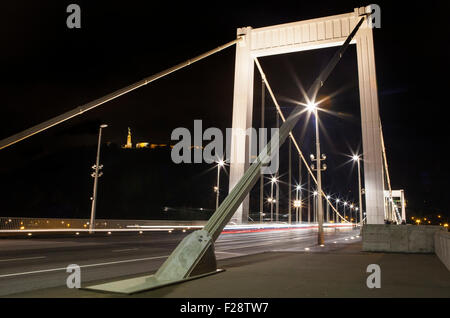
13	224
18	223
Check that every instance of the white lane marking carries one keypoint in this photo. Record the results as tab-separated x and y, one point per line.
21	259
222	252
126	250
82	266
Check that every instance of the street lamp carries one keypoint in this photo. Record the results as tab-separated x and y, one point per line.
336	216
315	207
351	208
297	203
357	159
96	174
328	209
272	200
220	164
345	204
312	107
356	216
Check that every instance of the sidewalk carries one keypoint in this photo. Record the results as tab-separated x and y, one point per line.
337	272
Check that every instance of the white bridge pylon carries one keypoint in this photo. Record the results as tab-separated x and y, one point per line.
301	36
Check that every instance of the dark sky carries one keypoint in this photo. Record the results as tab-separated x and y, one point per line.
48	69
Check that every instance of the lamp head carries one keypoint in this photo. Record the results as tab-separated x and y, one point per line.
311	106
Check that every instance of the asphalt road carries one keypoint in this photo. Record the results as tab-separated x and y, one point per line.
38	263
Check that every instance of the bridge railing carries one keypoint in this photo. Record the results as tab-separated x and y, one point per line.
23	223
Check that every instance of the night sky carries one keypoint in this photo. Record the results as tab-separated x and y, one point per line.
48	69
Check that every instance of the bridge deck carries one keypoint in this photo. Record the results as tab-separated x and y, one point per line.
335	271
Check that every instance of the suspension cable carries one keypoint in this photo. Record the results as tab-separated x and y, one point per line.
269	88
97	102
388	178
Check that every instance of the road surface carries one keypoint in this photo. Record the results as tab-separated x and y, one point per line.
38	263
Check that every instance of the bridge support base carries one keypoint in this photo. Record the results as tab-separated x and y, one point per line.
193	258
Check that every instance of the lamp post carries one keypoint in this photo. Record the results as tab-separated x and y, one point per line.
351	208
328	209
312	107
335	215
345	205
356	216
315	207
297	206
271	200
297	203
220	164
357	159
96	174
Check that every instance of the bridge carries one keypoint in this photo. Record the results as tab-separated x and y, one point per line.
315	220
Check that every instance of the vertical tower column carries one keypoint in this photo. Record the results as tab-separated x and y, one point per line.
370	123
403	203
242	117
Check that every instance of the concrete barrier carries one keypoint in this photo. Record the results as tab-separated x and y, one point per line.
442	247
399	238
